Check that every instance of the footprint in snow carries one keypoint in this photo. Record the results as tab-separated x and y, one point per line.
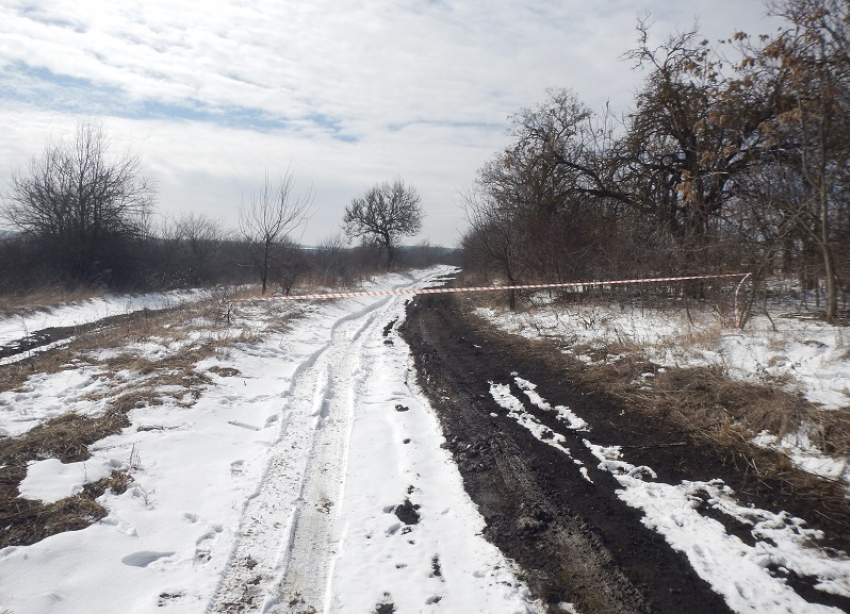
122	526
144	558
204	544
237	468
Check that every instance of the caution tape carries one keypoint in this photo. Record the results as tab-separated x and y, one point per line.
413	291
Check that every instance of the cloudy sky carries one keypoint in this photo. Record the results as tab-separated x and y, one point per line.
211	95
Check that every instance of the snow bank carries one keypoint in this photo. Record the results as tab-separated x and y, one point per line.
16	327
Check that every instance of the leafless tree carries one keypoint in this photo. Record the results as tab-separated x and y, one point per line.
82	206
493	244
270	217
384	214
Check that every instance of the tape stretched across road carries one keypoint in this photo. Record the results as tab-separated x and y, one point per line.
412	291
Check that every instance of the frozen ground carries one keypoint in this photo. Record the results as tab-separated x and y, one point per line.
803	356
308	477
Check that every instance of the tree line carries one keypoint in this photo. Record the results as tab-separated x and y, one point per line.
735	156
81	217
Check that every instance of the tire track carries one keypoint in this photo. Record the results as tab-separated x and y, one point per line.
289	528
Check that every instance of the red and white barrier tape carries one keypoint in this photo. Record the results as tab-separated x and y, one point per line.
410	291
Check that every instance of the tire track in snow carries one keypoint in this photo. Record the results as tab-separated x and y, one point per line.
288	529
316	535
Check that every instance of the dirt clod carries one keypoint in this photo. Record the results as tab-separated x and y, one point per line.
406	512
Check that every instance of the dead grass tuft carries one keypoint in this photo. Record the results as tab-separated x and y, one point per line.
225	371
829	430
708	399
65	437
26	522
701	336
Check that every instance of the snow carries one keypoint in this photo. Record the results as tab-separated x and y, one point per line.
50	480
276	489
739	572
565	414
16	327
805	454
810	355
282	486
501	393
47	395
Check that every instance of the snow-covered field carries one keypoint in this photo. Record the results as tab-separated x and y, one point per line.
307	477
16	327
803	356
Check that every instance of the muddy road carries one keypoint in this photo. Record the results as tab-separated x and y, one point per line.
557	513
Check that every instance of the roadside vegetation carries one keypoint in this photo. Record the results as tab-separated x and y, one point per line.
79	219
733	157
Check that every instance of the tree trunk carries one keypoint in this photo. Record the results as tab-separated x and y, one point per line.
829	266
264	273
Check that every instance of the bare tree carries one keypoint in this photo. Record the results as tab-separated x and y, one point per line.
82	207
270	217
494	242
384	214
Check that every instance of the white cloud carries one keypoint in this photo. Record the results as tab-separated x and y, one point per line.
421	88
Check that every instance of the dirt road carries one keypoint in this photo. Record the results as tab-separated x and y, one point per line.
556	512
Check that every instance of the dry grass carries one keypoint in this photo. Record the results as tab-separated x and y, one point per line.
66	438
701	336
192	332
705	400
12	304
728	414
26	522
709	399
710	404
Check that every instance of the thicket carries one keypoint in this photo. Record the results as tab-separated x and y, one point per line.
735	157
173	260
